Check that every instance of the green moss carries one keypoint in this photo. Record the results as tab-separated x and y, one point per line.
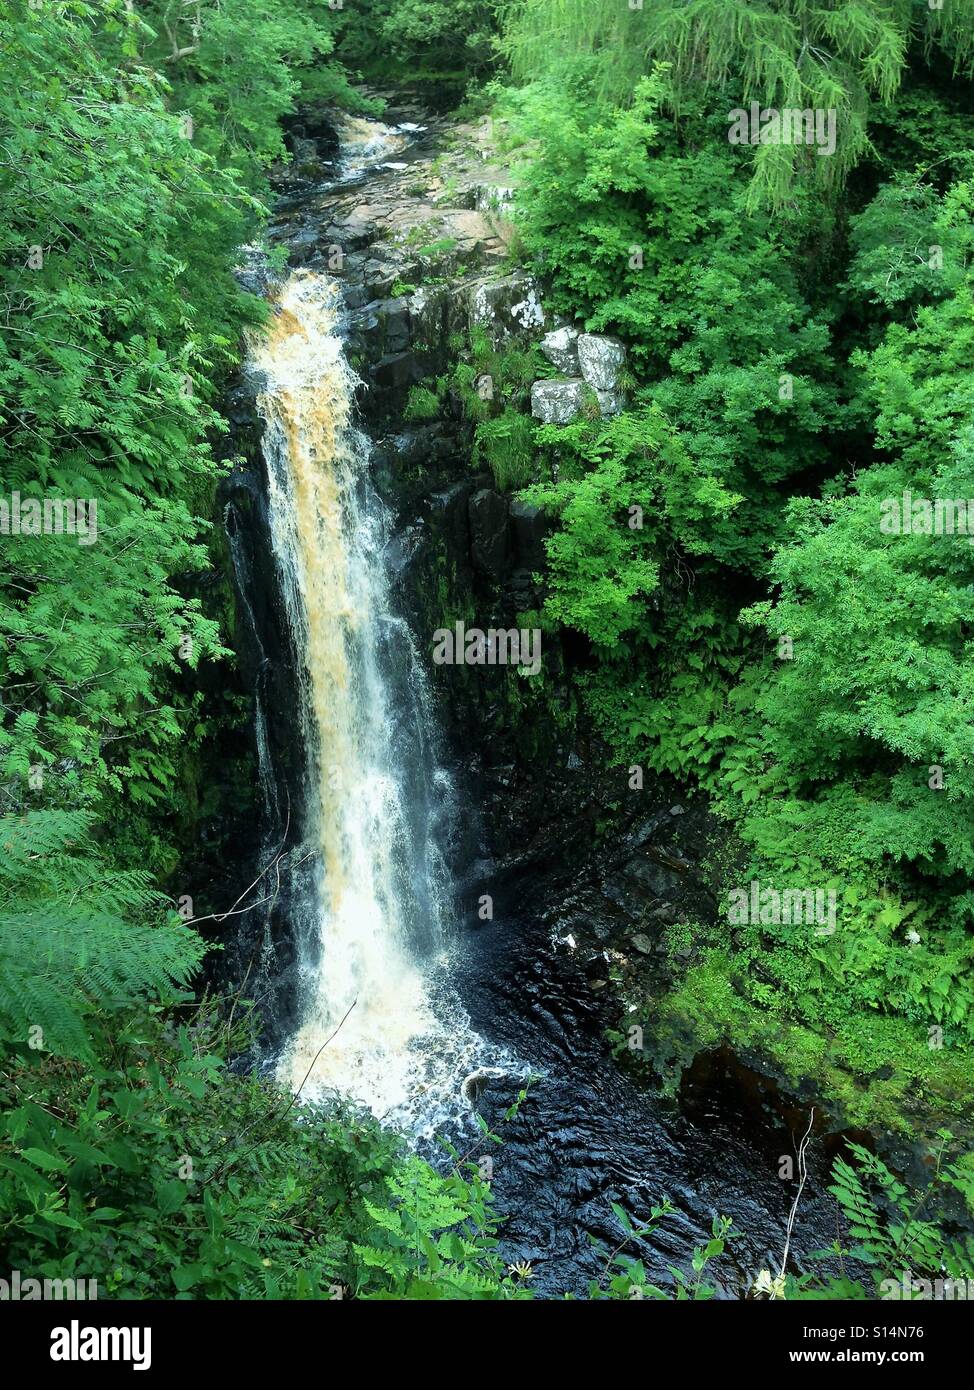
872	1070
437	250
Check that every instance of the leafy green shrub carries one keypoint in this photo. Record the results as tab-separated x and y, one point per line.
899	1233
78	937
157	1172
741	51
625	1275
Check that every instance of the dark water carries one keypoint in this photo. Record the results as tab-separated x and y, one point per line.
588	1136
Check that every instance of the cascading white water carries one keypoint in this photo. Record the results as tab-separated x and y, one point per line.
376	900
365	143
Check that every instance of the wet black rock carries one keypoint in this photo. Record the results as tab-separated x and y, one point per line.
529	527
451	508
489	533
396	372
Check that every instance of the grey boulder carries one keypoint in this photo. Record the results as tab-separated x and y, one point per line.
601	360
557	402
561	349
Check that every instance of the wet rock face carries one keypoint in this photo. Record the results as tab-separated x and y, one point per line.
529	528
490	537
396	372
313	133
451	513
267	674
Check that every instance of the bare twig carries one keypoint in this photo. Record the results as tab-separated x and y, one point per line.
279	1114
802	1178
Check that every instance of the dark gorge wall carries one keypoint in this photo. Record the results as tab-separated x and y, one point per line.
548	826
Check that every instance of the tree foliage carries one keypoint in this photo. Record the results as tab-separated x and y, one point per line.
798	54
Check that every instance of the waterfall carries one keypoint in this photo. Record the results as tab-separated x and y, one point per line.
373	899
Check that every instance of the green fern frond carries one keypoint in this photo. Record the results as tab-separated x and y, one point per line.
76	934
